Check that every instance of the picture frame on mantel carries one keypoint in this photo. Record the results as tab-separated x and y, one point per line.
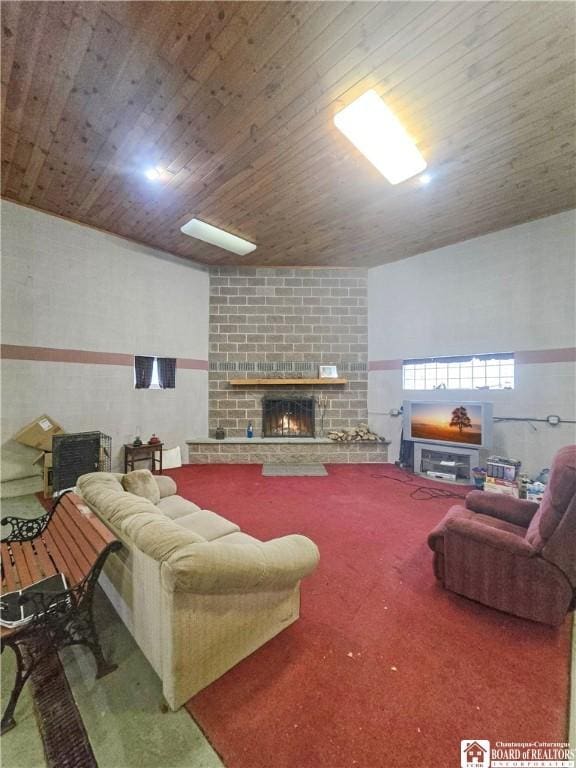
327	372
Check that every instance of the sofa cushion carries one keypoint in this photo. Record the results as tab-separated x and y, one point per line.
175	507
141	482
119	507
166	485
99	480
207	524
156	535
559	492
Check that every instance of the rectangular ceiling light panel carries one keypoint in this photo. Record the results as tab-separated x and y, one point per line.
373	129
218	237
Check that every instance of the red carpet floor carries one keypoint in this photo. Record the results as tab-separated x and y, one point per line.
384	668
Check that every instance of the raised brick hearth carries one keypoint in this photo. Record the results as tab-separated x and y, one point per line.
284	451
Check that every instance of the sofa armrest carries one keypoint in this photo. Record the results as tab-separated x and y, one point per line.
489	536
516	511
217	567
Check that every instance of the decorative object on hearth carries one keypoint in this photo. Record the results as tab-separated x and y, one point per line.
220	434
354	434
249	430
154	440
137	441
327	372
322	405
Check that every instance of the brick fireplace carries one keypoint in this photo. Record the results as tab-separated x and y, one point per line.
267	325
285	323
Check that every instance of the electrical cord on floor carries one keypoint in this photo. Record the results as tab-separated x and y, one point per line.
423	492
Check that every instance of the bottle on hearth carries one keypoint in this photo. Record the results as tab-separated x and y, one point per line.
249	430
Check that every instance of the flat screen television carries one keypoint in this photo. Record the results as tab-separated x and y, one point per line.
451	423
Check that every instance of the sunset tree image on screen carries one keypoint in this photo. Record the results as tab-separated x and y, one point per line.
446	422
460	419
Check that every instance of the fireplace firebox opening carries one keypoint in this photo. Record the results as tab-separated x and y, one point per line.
287	416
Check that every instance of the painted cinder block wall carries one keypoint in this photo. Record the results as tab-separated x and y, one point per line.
510	291
73	288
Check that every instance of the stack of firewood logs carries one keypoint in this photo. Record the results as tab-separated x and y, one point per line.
354	434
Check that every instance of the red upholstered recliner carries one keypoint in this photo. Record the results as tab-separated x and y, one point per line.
512	554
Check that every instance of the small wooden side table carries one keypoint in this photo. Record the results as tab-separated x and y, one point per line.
146	452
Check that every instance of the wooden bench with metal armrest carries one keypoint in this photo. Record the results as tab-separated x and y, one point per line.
70	540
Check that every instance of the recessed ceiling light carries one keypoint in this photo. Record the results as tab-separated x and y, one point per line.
374	129
425	179
152	174
218	237
158	173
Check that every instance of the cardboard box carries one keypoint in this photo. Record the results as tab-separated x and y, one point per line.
497	481
39	433
46	460
506	490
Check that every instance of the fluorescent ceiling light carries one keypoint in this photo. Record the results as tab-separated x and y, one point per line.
379	135
218	237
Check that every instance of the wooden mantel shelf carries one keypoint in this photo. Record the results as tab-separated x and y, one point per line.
284	382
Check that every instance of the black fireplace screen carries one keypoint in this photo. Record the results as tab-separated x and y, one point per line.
288	416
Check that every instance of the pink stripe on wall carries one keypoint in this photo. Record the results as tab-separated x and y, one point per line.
563	355
194	365
54	355
385	365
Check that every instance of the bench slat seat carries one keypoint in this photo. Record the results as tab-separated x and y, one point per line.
70	540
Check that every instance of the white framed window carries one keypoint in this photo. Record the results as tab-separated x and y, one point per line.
491	371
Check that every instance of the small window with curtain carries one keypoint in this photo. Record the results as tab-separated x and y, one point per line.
491	371
154	372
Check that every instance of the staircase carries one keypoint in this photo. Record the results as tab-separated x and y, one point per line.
19	475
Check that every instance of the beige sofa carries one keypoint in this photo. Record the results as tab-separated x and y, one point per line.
197	594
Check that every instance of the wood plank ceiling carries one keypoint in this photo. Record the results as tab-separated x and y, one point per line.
236	99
